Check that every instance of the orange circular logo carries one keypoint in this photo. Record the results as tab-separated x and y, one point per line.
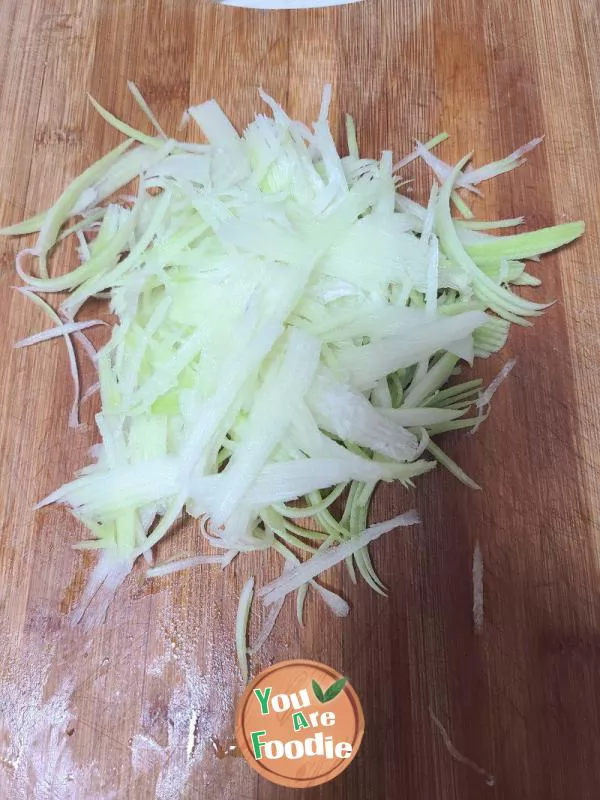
299	723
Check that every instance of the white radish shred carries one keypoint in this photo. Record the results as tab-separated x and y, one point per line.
241	627
184	563
60	330
469	180
300	600
269	623
91	391
415	154
486	396
432	277
322	561
507	164
477	589
287	322
441	170
145	108
336	603
457	755
74	411
482	403
102	584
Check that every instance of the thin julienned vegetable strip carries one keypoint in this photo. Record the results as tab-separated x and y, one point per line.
287	324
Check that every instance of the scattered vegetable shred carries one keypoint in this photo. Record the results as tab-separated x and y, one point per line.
287	324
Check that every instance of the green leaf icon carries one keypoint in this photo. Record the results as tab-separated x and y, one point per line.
335	689
331	693
318	692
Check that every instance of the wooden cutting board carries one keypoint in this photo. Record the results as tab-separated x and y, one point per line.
521	699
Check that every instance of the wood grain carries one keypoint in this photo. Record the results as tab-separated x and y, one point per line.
521	699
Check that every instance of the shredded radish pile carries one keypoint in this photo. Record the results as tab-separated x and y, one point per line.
287	323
